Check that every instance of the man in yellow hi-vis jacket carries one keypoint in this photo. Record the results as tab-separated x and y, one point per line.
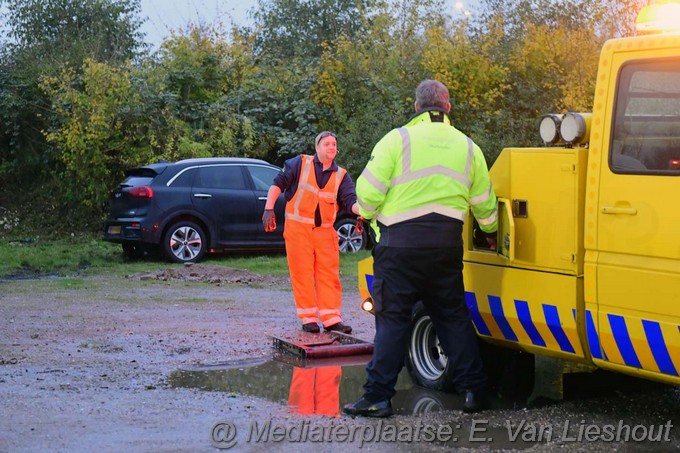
419	184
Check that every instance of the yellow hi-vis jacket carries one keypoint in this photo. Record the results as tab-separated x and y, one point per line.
426	167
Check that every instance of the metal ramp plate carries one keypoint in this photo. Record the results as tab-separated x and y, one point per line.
323	345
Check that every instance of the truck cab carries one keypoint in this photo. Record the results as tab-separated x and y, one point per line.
587	267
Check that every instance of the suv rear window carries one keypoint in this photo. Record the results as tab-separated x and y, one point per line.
184	178
136	181
263	177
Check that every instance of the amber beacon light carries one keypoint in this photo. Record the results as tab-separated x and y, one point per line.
662	16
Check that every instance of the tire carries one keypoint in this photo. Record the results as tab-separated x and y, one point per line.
348	239
184	242
425	359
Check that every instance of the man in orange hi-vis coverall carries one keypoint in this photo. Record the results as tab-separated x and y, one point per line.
315	189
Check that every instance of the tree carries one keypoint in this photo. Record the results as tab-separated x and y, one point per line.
265	91
193	89
477	81
550	49
288	28
95	139
44	38
360	85
66	32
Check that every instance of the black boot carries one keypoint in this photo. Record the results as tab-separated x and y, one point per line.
476	401
311	327
366	408
339	327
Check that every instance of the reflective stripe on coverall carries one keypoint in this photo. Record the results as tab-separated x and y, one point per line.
313	252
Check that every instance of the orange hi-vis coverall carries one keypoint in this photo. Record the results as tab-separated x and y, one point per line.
315	391
313	252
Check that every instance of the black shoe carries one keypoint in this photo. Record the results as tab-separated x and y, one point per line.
339	327
366	408
311	327
475	401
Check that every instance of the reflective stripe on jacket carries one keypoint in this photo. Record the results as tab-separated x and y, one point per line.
426	167
302	206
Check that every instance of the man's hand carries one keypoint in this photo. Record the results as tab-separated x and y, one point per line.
492	242
355	208
269	220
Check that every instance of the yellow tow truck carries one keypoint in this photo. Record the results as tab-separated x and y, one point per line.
587	269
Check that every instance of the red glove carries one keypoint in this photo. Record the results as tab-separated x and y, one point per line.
359	227
269	220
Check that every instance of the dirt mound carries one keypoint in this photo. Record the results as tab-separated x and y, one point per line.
211	274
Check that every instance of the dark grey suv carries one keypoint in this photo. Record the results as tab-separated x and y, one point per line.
196	206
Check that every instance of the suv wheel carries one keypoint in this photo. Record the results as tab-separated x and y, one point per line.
348	238
184	242
425	358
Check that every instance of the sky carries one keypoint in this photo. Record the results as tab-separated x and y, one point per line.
167	15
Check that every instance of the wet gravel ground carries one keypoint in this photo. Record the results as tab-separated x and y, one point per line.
90	363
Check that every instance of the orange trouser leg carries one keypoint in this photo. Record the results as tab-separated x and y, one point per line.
300	255
327	390
301	396
327	275
315	391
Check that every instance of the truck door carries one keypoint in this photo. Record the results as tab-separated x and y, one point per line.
638	220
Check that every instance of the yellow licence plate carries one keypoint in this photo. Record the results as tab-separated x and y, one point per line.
114	229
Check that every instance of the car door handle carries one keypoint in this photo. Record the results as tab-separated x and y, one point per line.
262	198
202	195
618	211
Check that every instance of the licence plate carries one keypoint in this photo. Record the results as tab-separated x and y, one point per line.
114	229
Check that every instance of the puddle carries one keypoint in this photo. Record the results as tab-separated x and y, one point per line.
273	379
284	380
321	388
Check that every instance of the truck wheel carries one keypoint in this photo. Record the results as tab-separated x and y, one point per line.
184	242
425	359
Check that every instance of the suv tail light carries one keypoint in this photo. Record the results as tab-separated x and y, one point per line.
141	192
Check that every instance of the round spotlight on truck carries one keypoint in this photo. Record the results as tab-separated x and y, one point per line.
549	128
575	128
368	306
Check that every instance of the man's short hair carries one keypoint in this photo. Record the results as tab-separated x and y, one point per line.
432	93
323	135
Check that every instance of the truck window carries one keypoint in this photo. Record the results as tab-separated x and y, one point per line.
646	126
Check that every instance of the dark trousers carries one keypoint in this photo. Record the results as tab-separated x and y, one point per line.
402	277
